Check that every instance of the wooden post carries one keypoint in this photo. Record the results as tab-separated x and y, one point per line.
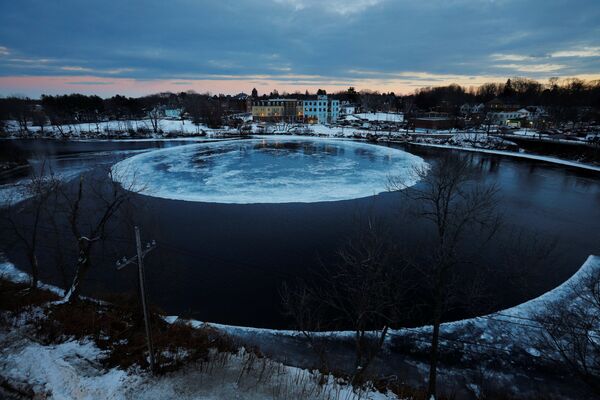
140	262
139	258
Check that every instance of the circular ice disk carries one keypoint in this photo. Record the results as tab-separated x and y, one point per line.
269	170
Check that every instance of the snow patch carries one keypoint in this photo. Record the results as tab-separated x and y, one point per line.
72	370
552	160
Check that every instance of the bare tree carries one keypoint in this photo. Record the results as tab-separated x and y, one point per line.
300	305
361	292
4	116
25	213
19	109
571	330
455	204
58	123
154	117
38	118
89	209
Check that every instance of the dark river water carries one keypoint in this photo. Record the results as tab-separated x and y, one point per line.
225	262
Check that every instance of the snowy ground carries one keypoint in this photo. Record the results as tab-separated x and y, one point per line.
167	126
548	159
512	333
177	128
71	370
477	140
377	116
538	135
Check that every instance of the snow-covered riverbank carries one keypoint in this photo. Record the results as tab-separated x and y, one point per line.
488	340
71	368
174	130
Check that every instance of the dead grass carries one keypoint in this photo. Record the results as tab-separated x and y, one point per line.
116	326
17	297
118	329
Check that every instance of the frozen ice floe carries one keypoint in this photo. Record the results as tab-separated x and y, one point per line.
267	170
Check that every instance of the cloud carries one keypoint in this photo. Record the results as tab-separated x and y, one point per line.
580	52
76	69
31	60
341	7
90	83
533	67
511	57
299	42
113	71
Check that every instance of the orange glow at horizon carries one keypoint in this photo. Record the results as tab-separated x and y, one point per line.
34	86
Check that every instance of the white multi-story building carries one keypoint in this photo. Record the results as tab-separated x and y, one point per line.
504	117
321	110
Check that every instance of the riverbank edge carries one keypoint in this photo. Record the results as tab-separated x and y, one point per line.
196	139
524	310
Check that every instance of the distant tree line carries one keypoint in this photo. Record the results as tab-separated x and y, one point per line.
69	109
565	100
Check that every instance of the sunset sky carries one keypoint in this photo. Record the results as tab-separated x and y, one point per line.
230	46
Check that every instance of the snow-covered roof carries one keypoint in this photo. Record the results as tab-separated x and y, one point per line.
381	117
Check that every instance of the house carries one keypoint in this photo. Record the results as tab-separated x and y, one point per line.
289	110
465	109
321	109
316	110
505	118
495	104
525	114
478	108
537	112
172	112
241	96
434	120
347	109
468	109
165	112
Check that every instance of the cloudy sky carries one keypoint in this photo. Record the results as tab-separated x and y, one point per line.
229	46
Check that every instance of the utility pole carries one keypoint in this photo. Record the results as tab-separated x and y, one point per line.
139	259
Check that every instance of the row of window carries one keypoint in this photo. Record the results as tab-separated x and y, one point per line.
334	104
276	110
509	116
320	103
275	103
